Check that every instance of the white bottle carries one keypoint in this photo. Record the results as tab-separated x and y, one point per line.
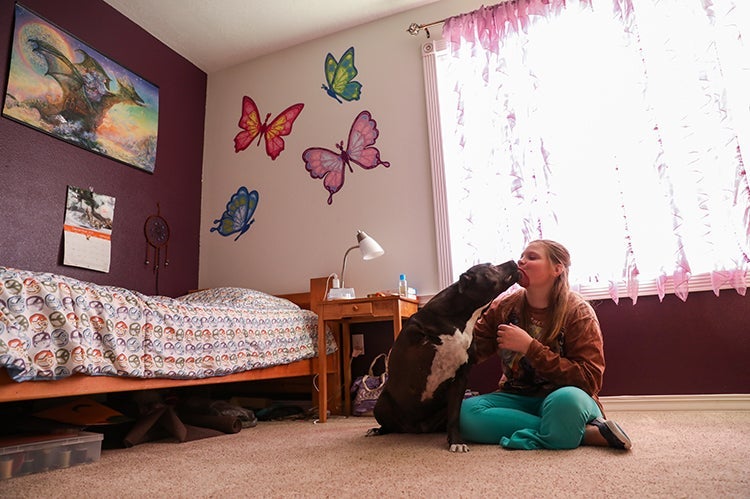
403	289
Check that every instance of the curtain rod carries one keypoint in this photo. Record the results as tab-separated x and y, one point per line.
415	28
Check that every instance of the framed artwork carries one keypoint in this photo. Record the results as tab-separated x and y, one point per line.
60	86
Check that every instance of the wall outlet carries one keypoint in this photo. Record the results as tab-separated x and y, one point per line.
358	345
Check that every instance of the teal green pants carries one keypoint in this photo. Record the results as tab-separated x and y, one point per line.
556	421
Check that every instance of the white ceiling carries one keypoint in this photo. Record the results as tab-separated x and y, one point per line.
217	34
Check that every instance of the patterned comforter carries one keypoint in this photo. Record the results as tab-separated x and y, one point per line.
52	326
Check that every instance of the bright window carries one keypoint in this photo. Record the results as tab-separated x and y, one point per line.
617	129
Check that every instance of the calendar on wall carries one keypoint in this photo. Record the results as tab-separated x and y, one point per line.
88	229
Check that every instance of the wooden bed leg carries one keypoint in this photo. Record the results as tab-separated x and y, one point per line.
317	295
335	401
322	373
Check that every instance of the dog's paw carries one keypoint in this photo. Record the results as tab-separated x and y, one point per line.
459	448
373	432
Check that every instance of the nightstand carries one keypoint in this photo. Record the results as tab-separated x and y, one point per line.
357	310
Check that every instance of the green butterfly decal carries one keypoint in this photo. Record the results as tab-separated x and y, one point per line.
339	76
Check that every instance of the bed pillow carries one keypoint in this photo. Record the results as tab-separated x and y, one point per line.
238	297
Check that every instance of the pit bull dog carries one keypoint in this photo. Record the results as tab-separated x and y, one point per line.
430	359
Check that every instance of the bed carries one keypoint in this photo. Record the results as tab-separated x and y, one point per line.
61	336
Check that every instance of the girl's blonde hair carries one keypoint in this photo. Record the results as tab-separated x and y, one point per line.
557	254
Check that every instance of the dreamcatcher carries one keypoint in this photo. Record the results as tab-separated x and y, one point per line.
156	229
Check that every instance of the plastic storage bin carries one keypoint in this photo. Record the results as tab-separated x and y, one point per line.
31	454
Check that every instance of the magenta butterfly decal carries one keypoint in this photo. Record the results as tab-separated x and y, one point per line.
330	166
252	127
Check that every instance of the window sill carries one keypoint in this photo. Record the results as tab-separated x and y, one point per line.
699	282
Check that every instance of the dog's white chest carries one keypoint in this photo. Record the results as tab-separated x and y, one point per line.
450	355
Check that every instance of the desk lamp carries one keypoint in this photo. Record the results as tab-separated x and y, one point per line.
370	249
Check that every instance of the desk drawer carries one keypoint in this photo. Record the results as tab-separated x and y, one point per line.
341	310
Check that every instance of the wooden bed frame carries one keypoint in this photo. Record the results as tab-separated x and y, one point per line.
75	385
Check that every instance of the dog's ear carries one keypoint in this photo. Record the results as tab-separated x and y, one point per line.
465	281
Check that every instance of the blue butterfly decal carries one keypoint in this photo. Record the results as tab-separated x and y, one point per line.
236	217
339	76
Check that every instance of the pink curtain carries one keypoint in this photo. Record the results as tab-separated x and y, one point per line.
678	110
488	26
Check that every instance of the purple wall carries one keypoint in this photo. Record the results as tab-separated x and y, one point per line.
700	346
35	169
674	347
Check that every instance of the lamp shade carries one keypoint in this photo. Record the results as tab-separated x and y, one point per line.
368	246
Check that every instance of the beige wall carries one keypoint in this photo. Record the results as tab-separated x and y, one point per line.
296	234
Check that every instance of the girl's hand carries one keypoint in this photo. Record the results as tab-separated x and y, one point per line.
513	338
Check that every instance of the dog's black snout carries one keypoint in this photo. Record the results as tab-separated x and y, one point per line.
513	278
510	268
510	265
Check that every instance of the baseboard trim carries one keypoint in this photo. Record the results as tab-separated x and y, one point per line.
708	402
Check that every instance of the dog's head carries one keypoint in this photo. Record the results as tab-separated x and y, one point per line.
483	282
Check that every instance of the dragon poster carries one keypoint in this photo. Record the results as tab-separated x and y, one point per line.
60	86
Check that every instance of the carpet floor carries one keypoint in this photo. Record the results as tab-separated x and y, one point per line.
675	454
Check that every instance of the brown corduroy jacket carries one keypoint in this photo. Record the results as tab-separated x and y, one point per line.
576	358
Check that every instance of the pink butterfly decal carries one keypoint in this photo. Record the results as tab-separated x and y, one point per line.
252	127
328	165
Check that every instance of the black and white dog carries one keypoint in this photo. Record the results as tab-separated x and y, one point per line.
430	359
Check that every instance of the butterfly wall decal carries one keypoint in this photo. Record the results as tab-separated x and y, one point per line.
237	216
272	133
330	166
339	76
